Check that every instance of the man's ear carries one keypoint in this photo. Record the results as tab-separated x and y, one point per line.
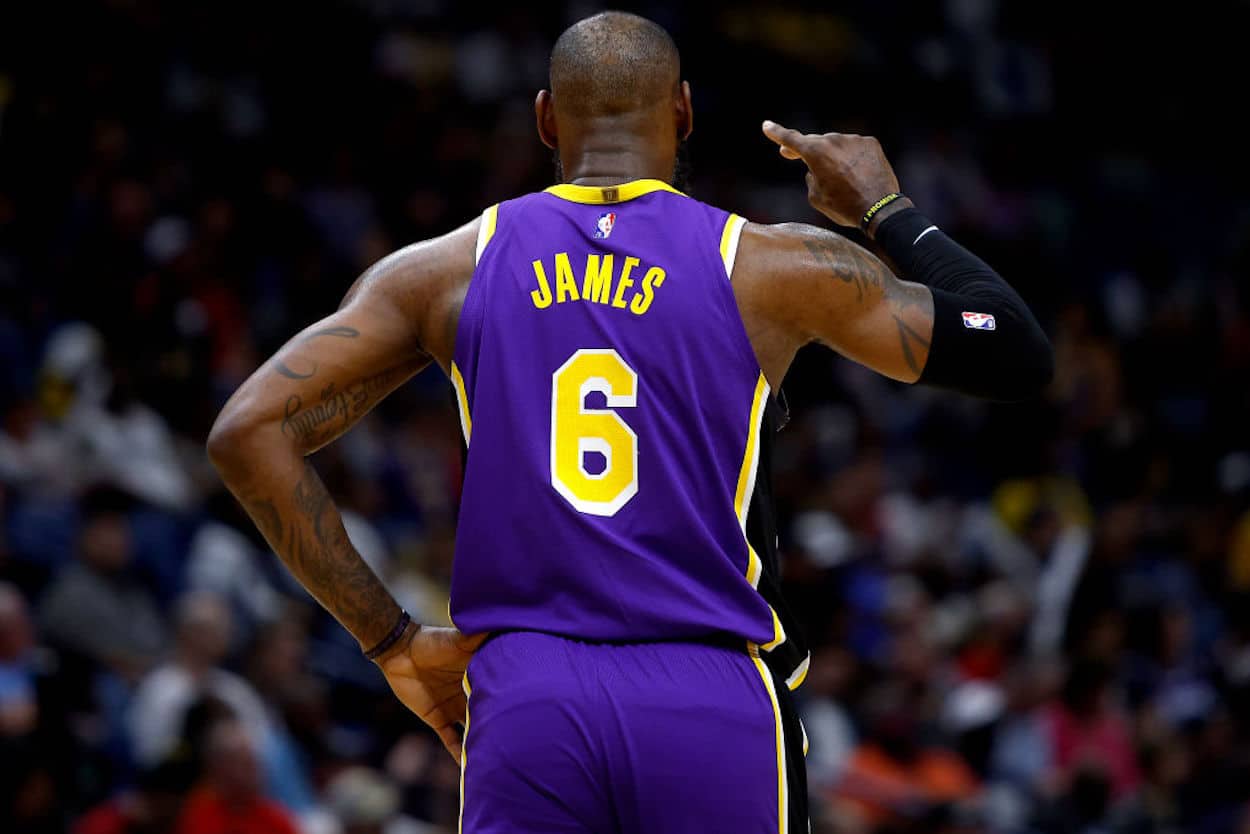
545	116
685	112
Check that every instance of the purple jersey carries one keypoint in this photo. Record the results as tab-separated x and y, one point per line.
613	409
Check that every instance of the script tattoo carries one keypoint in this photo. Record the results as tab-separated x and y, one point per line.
338	407
340	331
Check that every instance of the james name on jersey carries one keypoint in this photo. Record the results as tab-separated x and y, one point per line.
600	282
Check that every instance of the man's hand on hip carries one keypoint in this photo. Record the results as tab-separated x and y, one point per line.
425	670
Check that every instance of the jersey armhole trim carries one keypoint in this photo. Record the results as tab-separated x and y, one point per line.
796	680
729	238
462	404
490	219
746	477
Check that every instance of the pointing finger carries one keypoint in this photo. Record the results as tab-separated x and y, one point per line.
791	141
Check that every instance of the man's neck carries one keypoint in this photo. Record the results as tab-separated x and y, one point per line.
613	166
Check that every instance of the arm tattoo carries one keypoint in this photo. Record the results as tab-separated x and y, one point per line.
342	332
338	408
308	535
907	335
345	332
265	514
852	265
914	302
290	505
325	560
282	368
848	264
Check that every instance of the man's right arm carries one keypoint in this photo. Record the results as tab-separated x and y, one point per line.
400	315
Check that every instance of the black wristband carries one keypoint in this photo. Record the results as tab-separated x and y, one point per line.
391	639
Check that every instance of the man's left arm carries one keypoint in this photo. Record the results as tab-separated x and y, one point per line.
973	332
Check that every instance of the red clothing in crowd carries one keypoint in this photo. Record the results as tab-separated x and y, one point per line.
205	812
1104	741
106	818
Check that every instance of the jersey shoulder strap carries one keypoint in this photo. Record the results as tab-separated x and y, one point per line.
729	239
486	231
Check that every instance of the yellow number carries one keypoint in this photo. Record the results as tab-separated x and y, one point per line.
576	430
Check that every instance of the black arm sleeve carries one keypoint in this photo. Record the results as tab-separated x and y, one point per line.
986	342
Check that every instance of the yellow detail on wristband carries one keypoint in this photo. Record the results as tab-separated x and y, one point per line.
876	207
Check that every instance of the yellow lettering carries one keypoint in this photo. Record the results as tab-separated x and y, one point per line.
566	284
642	301
626	282
542	295
597	282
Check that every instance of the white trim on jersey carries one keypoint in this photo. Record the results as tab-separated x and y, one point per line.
729	242
486	231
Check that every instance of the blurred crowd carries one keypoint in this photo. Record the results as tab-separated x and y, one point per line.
1026	619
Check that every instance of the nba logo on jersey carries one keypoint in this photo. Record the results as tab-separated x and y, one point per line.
979	321
603	226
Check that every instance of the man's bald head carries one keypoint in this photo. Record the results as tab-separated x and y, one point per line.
612	64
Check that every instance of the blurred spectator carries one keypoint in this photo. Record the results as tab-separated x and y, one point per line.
1090	736
152	807
1081	808
1215	799
363	802
1021	756
228	557
295	711
202	626
25	789
229	798
894	778
96	608
1156	809
429	781
1170	677
830	734
92	431
19	708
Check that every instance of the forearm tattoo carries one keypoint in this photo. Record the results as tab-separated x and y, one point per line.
306	531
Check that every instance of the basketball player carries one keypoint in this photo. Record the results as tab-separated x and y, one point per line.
614	346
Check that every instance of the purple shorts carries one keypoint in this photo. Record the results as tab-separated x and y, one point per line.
565	736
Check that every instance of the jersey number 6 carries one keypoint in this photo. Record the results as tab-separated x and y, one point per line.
577	430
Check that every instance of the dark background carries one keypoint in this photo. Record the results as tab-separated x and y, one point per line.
1027	618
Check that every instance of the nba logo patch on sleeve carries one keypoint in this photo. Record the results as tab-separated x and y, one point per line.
603	226
979	321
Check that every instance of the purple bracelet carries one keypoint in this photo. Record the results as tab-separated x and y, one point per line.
392	638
